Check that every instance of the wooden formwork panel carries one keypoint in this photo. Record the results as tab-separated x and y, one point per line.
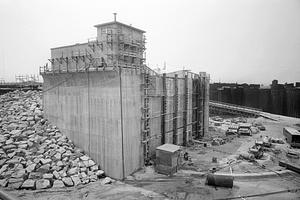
190	105
169	110
180	110
155	112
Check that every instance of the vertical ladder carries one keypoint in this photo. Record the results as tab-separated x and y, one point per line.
146	117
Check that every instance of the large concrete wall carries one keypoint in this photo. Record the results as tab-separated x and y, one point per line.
87	108
101	112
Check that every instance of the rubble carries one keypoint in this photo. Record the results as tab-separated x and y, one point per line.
33	153
277	140
106	180
217	141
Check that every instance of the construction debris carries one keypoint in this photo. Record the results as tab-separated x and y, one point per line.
246	156
217	141
277	140
33	153
292	154
257	151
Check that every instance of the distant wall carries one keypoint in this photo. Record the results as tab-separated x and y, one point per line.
278	99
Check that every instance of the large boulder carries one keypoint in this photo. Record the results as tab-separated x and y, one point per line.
28	184
42	184
68	181
58	184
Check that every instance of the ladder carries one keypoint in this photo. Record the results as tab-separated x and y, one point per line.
146	117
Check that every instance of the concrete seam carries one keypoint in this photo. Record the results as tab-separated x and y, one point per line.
122	132
89	114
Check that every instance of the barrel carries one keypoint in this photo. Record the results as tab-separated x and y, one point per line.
219	180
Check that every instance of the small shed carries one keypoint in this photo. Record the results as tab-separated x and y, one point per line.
168	159
292	136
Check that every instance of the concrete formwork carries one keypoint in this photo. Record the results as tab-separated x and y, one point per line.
101	111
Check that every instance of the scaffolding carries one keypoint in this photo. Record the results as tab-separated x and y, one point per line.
27	78
122	48
146	117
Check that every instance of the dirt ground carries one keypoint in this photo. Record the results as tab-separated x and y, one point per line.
190	181
193	187
117	190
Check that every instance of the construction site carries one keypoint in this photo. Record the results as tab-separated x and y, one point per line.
104	125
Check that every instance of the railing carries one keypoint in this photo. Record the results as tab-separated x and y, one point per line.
235	105
21	84
90	68
231	108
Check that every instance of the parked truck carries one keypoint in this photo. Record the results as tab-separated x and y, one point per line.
232	130
244	129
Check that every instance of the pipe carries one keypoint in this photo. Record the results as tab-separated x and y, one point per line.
115	17
219	180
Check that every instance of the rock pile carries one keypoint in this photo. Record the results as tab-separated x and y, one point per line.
33	153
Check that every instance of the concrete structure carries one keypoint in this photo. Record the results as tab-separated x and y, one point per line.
119	110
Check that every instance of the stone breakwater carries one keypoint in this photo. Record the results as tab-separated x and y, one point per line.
33	153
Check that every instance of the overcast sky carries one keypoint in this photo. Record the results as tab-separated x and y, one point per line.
253	41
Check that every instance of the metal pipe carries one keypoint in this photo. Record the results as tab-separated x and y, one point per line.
219	180
115	17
